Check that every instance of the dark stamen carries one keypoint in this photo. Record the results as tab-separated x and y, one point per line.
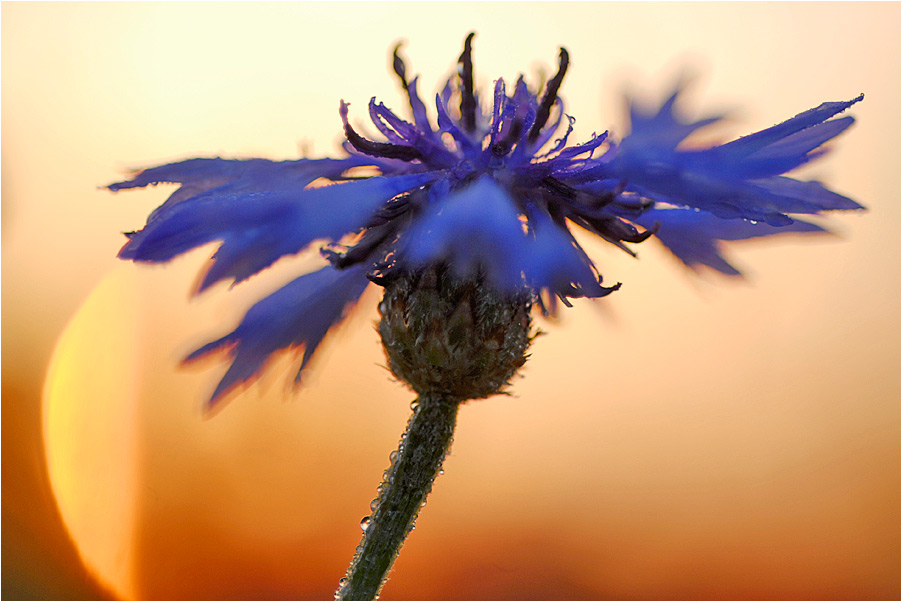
550	96
393	209
559	188
467	97
399	67
376	149
511	136
381	149
617	229
371	239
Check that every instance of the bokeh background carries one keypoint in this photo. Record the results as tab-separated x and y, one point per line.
690	436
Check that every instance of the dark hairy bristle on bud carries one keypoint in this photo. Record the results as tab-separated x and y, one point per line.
452	337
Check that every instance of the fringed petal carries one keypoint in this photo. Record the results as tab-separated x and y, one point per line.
479	230
235	175
257	228
663	128
298	314
694	237
774	159
399	131
474	230
417	106
446	124
739	179
753	143
813	194
554	261
246	172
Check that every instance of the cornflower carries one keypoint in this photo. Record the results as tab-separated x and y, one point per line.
466	223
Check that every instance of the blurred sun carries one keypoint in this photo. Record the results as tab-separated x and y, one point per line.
89	431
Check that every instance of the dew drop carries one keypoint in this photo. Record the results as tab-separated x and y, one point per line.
441	471
414	405
393	456
365	523
342	583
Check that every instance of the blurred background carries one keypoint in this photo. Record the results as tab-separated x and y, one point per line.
690	436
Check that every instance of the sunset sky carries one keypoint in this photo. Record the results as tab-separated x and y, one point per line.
690	436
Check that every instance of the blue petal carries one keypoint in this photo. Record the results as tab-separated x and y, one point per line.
813	194
806	140
694	236
399	131
478	230
202	175
418	107
257	228
779	157
549	130
499	105
553	260
298	314
753	143
472	229
446	124
250	172
663	127
234	175
561	142
735	180
526	107
563	164
380	122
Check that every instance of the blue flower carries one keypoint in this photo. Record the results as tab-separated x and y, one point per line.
489	192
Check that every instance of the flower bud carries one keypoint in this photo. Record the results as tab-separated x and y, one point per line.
454	337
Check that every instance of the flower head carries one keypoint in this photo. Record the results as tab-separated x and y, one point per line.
488	191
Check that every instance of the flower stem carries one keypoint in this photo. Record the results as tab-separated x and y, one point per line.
407	483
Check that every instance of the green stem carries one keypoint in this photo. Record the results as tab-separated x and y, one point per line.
407	483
